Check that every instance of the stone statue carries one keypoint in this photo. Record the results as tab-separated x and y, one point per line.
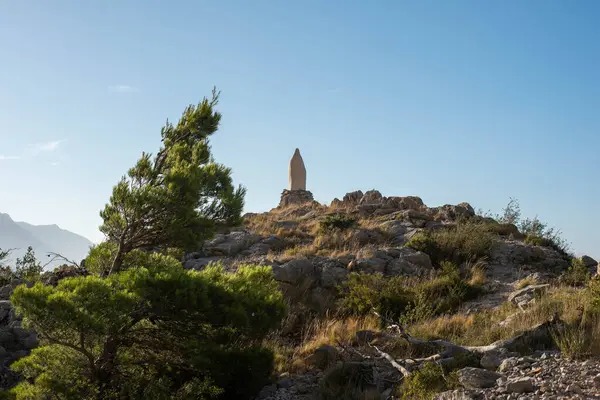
297	172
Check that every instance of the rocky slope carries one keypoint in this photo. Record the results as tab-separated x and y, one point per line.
310	264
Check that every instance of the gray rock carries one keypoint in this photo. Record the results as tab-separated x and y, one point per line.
295	271
333	275
490	361
230	244
285	383
477	378
274	242
394	228
520	385
458	395
371	197
525	296
323	357
409	262
368	265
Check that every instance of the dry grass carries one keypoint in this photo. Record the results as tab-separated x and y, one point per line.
477	273
318	332
484	327
579	340
523	283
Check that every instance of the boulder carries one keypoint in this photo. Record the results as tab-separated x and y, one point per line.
520	385
394	228
477	378
368	265
352	198
295	271
229	244
323	357
332	275
409	262
293	197
526	296
491	361
371	197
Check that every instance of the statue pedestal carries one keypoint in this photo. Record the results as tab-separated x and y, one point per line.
289	197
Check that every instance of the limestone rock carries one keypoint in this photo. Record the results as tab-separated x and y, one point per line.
289	197
520	385
490	361
295	271
229	244
297	172
458	395
477	378
525	296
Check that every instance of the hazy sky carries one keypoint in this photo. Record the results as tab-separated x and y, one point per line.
452	101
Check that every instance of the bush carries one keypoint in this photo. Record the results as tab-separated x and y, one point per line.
425	383
349	381
577	274
466	241
406	299
152	331
336	222
554	244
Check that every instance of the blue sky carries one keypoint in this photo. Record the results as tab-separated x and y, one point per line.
451	101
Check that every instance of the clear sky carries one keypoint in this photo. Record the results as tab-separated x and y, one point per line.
452	101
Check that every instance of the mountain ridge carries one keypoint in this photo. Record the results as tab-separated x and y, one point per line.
44	239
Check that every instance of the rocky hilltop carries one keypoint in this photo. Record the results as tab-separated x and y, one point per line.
294	240
392	299
314	249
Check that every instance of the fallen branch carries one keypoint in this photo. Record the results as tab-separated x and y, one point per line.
450	349
391	360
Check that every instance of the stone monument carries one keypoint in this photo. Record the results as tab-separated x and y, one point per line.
297	172
297	193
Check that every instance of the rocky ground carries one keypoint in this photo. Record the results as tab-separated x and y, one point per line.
544	375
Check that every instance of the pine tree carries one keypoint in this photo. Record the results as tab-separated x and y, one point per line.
177	198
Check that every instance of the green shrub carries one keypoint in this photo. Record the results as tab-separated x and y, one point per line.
349	381
554	244
577	274
152	331
406	299
425	383
466	241
336	222
364	292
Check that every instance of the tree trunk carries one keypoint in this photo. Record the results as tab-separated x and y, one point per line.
106	368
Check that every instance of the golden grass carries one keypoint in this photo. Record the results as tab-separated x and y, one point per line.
478	275
484	327
523	283
319	332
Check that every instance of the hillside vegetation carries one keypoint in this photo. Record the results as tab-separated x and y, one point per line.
369	297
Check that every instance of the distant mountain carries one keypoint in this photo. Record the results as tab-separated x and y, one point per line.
43	238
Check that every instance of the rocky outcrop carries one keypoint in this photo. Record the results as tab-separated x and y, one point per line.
291	197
